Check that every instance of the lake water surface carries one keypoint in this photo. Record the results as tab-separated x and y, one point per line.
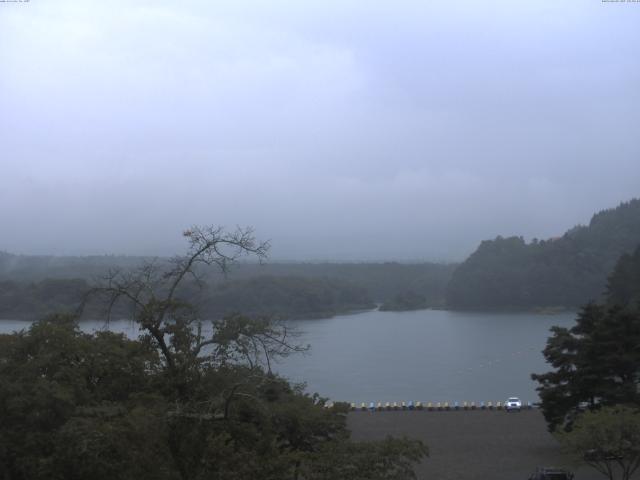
426	355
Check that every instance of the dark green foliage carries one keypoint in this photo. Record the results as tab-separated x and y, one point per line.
64	395
182	402
564	272
624	282
608	440
288	291
33	300
77	406
405	301
382	281
597	361
287	297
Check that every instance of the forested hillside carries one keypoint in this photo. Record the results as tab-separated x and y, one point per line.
561	272
623	287
383	281
35	268
31	286
284	297
288	297
33	300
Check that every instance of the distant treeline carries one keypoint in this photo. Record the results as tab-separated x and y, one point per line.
288	297
382	281
405	301
567	271
31	287
35	268
623	287
505	273
34	300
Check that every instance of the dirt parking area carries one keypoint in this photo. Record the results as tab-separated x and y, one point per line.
469	445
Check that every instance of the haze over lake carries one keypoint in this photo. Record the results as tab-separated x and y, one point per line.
426	355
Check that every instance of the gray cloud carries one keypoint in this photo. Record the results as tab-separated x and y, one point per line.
339	130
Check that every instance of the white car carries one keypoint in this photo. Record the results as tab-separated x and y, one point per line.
513	403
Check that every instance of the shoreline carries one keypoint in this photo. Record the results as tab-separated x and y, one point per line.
546	311
327	316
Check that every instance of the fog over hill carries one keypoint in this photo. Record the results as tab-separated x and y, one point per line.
339	130
566	271
365	169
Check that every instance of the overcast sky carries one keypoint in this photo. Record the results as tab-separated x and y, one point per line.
339	130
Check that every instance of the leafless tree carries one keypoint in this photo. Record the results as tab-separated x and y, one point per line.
152	292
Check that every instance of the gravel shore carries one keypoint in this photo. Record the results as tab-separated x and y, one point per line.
469	445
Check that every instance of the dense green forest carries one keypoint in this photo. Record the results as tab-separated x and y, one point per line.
623	287
33	300
284	297
382	280
32	286
567	271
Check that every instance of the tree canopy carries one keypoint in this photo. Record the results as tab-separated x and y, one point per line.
186	400
597	361
567	271
405	301
608	440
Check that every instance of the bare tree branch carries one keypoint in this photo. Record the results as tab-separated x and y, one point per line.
152	293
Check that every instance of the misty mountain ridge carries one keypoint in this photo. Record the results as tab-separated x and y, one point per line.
31	287
504	273
567	271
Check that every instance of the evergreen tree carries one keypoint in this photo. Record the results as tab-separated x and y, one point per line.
597	361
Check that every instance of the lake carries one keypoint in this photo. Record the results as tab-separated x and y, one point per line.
426	355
